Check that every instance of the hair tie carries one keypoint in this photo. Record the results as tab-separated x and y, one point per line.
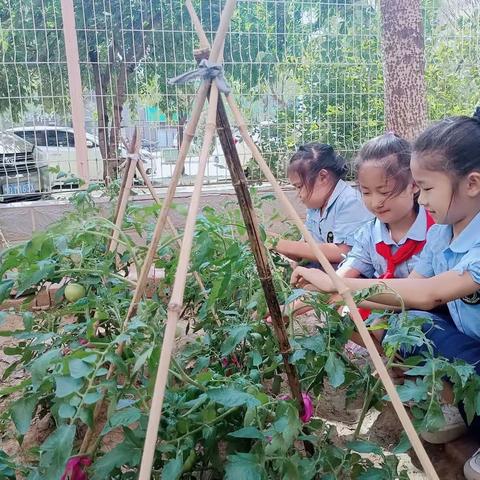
390	132
476	114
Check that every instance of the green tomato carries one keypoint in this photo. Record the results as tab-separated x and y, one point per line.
74	292
100	315
189	462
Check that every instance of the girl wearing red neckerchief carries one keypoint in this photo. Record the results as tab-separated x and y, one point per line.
387	246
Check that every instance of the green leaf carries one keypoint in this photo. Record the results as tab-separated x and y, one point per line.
173	469
362	446
142	359
22	413
403	445
247	432
373	474
124	417
5	289
79	368
243	466
39	367
236	335
92	397
125	453
290	470
410	390
67	385
66	410
256	358
315	343
34	275
335	370
230	397
55	452
434	419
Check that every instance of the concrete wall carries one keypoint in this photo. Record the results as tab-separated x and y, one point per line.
19	220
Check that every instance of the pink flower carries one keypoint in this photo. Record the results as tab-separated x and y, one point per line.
307	408
307	412
224	362
75	468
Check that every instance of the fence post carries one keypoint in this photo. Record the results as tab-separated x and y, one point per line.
75	87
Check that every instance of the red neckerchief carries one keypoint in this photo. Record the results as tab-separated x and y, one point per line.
404	253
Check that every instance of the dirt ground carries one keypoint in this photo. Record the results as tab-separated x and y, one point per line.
383	428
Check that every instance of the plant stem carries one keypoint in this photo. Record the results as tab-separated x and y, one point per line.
198	429
186	378
368	399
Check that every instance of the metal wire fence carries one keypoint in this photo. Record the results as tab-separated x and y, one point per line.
302	70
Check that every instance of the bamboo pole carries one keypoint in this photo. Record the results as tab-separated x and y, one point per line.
75	86
127	182
342	289
174	231
176	300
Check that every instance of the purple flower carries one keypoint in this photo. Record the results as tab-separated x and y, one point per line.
75	468
308	409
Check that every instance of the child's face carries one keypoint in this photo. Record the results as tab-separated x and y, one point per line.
436	191
320	193
377	190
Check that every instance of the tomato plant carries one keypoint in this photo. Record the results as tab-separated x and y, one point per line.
223	414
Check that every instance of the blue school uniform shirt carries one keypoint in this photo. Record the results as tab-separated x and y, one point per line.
364	257
343	215
441	254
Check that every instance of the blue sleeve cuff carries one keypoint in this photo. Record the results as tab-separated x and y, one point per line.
366	269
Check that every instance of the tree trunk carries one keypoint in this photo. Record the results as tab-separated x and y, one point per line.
403	67
182	120
116	128
101	102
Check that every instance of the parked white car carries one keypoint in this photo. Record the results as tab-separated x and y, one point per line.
56	147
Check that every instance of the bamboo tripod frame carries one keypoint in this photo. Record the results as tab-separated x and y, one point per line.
178	289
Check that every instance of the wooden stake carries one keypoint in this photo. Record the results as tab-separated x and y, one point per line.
125	189
174	231
259	252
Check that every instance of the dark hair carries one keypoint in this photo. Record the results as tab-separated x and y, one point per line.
310	158
456	141
392	153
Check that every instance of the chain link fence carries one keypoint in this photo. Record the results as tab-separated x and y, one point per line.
302	70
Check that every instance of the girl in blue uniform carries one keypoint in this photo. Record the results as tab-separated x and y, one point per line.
446	167
334	209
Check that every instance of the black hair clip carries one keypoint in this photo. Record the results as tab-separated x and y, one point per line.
302	148
476	114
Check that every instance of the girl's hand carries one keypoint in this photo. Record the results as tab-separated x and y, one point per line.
302	276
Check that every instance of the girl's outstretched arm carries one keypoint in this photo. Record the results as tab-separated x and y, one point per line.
419	293
300	249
